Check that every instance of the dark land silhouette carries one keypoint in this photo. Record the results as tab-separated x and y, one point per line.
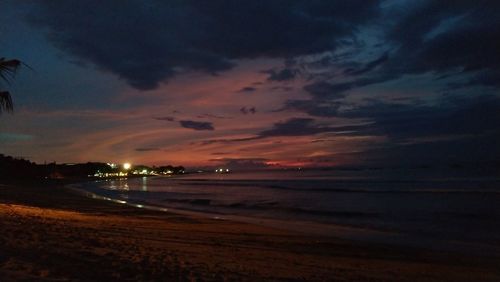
18	168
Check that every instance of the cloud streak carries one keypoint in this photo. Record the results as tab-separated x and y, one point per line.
196	125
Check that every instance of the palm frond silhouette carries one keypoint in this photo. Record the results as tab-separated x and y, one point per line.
8	69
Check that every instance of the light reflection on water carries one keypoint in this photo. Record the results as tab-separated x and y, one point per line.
144	183
453	209
122	184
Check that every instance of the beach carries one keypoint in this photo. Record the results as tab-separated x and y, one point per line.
52	233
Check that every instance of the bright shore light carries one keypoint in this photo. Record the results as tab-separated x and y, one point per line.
127	166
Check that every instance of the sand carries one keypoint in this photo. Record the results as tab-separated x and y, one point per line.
49	233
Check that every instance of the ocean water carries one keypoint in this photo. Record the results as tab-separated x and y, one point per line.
425	208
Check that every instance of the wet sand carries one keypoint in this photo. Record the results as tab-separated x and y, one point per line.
51	233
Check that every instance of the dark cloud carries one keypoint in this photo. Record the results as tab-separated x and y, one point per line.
196	125
325	90
146	149
313	107
249	110
301	127
472	151
451	130
282	28
368	66
284	74
449	117
146	43
441	36
247	89
457	40
486	78
282	88
456	44
291	127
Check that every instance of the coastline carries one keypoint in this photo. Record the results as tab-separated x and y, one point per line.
311	228
50	232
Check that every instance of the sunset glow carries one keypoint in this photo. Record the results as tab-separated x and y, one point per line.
330	96
250	140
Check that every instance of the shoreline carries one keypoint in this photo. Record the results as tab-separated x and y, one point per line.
52	233
361	234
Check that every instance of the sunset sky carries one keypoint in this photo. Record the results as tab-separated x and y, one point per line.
253	83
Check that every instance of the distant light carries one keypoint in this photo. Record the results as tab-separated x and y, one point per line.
227	169
127	166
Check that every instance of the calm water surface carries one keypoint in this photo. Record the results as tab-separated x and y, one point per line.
425	206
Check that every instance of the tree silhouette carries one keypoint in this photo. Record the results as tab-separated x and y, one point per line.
8	70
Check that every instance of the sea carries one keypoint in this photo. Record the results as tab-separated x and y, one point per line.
444	210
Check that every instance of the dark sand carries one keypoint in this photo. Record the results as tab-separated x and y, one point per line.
49	233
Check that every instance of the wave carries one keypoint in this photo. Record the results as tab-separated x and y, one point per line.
209	183
267	206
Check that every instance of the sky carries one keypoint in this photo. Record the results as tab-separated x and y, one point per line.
254	84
